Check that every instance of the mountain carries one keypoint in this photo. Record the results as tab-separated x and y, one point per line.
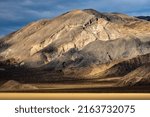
144	17
80	44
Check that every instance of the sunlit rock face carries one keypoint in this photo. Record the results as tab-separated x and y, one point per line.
79	38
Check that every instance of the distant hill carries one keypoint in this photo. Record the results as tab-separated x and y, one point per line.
144	17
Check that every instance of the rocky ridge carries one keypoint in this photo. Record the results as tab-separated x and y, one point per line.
83	43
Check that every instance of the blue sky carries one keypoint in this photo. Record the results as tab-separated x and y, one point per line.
17	13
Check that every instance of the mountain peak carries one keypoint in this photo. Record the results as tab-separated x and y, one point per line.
78	44
46	41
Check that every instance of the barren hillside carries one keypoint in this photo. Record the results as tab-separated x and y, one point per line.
81	44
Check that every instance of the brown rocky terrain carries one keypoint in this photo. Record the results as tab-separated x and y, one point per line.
106	49
140	76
